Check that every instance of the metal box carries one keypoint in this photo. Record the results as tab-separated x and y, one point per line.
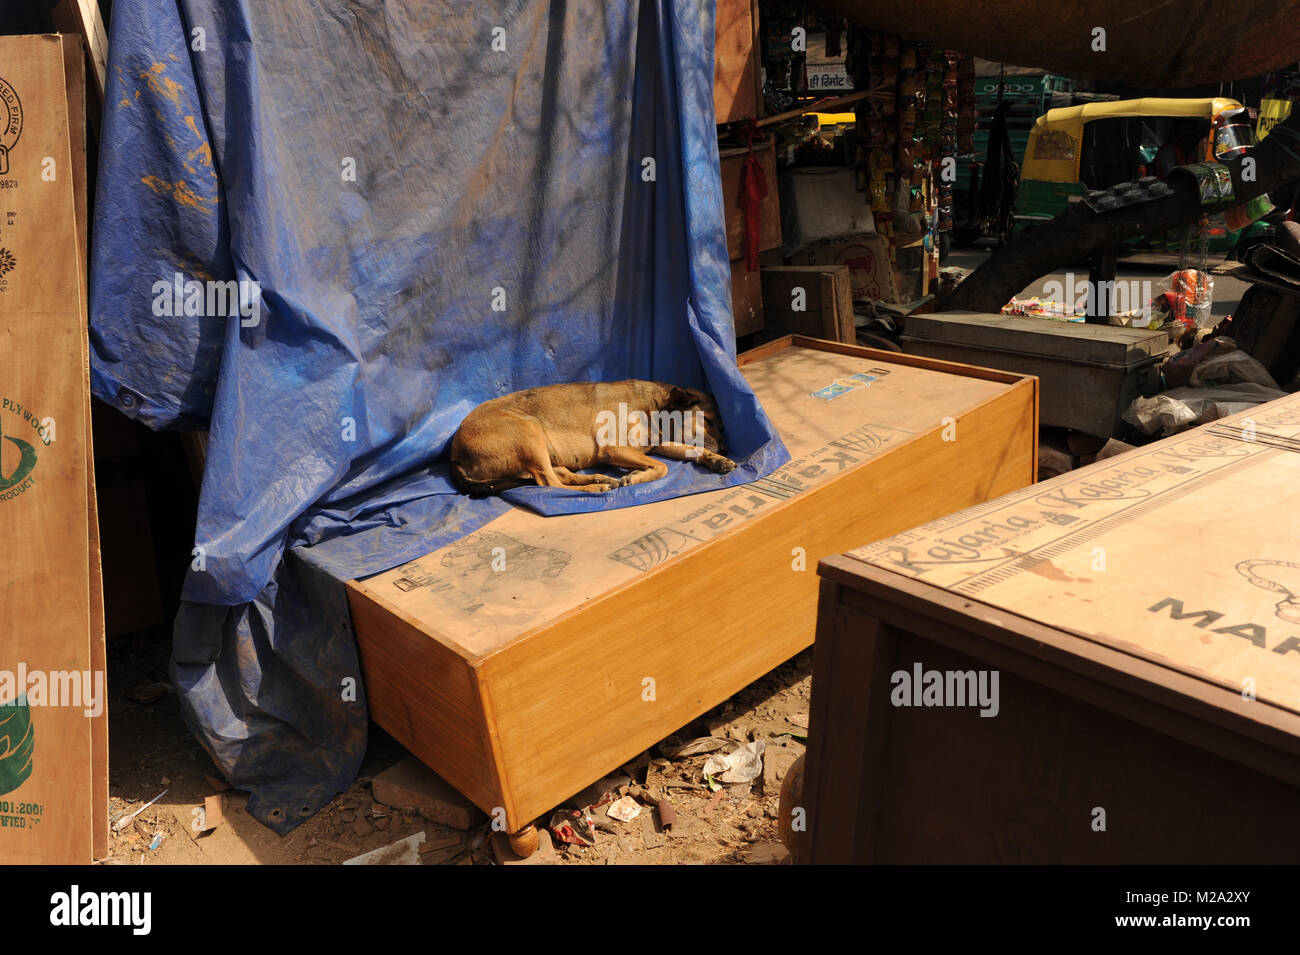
1089	373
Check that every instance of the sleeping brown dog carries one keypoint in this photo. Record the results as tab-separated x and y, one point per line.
547	435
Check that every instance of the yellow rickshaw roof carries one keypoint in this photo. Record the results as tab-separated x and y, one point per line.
1203	108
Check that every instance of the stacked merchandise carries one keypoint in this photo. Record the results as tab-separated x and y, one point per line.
906	136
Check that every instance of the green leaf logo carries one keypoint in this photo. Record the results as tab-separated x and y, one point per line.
16	744
26	461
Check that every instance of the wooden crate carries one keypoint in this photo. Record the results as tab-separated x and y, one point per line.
814	300
736	84
609	631
1143	617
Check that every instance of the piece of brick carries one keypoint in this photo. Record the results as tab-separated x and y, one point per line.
411	783
776	763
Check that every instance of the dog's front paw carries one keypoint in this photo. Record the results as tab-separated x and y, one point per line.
721	465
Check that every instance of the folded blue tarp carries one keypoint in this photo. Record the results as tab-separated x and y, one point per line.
428	204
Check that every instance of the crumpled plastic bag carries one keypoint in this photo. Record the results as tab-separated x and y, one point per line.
1177	409
1235	365
744	765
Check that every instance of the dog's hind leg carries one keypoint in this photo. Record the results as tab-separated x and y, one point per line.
545	474
644	468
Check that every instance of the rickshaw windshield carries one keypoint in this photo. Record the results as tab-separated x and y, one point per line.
1234	133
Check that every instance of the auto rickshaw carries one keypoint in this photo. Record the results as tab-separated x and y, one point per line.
1098	145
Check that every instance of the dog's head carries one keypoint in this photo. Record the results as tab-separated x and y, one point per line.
703	429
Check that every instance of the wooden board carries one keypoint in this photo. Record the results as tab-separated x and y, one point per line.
815	300
736	93
522	686
1142	617
1075	553
53	808
746	299
733	161
74	75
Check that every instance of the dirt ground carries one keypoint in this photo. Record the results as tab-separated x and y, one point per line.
151	751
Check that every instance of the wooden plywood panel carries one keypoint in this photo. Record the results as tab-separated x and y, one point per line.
425	694
733	162
1076	553
746	299
735	66
49	807
74	72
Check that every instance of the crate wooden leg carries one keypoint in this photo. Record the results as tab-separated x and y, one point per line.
524	842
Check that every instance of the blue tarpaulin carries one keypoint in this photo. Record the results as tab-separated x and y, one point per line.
427	204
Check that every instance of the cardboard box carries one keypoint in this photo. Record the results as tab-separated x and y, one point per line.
1141	617
867	257
823	202
611	630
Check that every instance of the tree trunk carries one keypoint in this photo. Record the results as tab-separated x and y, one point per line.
1079	232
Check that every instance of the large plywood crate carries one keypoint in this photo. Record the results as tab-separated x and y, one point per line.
608	631
1142	616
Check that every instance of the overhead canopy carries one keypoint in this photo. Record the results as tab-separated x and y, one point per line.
1157	44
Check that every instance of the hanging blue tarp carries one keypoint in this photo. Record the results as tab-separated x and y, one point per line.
427	204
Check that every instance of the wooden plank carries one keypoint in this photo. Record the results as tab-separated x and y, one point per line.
50	812
839	724
74	74
746	299
425	694
735	63
82	19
